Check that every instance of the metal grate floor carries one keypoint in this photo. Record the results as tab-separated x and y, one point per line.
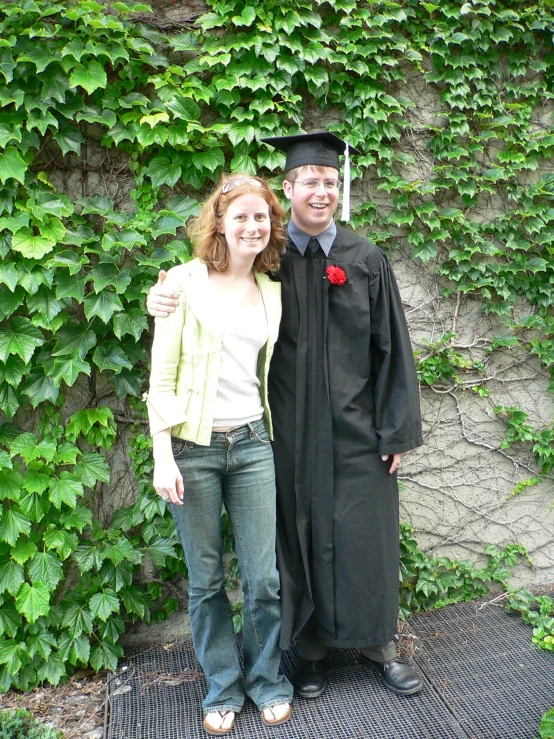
482	662
484	680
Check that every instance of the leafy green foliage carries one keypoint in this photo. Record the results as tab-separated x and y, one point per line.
66	583
546	729
21	724
517	430
432	582
440	362
536	610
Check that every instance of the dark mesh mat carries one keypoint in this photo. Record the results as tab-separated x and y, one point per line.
482	662
157	694
484	680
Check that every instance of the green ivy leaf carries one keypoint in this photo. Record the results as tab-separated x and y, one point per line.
246	18
90	77
45	567
133	600
33	601
128	382
118	551
91	468
132	322
105	656
63	542
51	670
209	160
160	548
99	205
73	338
35	482
7	65
78	619
40	55
39	388
87	557
7	134
12	524
65	490
184	108
12	578
55	85
108	274
27	447
22	338
9	401
164	171
69	287
23	551
10	620
76	651
34	506
103	305
183	206
44	303
11	654
77	519
5	463
30	245
69	370
48	203
41	644
103	604
10	485
111	357
12	166
69	139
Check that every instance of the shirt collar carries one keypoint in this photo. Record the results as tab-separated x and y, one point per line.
301	238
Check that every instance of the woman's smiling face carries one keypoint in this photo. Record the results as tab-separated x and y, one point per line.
246	226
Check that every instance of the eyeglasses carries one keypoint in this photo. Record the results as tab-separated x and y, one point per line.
314	184
228	186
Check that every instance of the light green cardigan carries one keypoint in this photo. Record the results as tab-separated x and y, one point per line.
186	355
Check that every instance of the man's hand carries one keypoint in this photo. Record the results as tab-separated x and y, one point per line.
395	460
160	302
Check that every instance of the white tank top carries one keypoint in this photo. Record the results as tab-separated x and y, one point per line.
243	332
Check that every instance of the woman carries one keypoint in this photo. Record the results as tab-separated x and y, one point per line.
211	427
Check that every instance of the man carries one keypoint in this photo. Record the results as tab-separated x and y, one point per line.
345	405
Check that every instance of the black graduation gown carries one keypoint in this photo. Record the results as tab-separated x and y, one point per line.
343	390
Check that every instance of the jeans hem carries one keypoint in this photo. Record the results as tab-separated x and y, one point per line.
274	702
221	707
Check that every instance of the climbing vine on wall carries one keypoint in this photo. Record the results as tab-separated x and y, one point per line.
112	130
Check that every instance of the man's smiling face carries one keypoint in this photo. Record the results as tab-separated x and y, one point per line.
312	210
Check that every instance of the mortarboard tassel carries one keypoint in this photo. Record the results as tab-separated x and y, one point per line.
345	215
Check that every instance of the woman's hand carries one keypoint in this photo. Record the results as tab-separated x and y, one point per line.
168	481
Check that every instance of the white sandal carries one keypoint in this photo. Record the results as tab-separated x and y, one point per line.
224	719
276	715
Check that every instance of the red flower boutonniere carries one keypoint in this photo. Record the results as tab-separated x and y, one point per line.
336	275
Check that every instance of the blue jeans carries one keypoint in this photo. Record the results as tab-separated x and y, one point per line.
236	469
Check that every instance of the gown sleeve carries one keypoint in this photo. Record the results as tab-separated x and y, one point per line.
164	407
395	385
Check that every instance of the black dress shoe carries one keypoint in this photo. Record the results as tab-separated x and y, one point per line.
309	679
397	676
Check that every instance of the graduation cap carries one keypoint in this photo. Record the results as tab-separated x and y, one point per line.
317	149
